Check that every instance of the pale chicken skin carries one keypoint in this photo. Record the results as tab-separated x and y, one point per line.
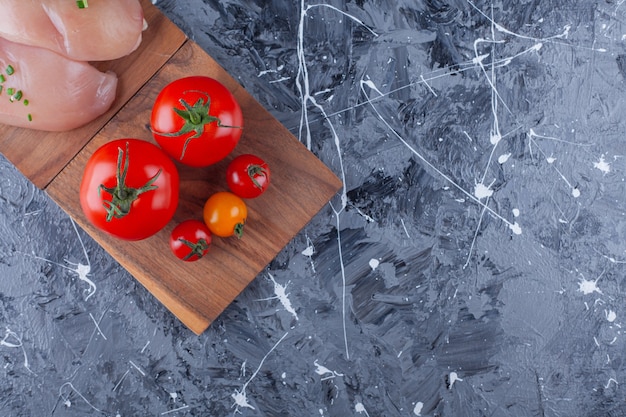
46	82
106	30
43	90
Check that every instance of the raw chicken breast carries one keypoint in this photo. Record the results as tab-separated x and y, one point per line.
43	90
106	30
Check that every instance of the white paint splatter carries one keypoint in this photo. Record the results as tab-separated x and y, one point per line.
503	158
83	271
240	397
269	71
97	324
482	191
366	216
15	343
495	137
602	165
453	378
516	212
66	400
121	380
428	85
406	231
429	164
283	297
280	80
137	368
371	85
516	228
551	159
588	287
374	263
611	316
417	410
360	408
325	372
479	58
611	380
309	251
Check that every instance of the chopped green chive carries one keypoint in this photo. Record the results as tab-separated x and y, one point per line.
13	93
82	4
17	96
30	117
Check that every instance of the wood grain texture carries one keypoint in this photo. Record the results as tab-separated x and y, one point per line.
42	155
195	292
198	292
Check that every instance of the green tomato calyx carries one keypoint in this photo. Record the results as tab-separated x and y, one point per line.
123	196
195	118
238	230
197	249
256	171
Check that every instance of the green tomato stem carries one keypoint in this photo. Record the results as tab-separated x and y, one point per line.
238	231
197	249
195	118
253	171
122	195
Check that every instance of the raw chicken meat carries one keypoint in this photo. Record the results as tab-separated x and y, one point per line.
107	29
41	89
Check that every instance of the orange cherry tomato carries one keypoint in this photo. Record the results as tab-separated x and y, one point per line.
225	214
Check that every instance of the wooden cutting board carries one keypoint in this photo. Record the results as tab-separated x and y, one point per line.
195	292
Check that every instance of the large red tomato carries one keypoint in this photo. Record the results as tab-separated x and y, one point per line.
196	120
129	189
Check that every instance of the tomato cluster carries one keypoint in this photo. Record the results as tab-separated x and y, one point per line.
130	187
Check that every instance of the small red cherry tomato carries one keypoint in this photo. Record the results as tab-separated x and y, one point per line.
225	214
190	240
248	176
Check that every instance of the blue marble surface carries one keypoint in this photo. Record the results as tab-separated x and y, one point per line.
471	266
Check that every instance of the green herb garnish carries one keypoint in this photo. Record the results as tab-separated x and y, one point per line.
17	96
82	4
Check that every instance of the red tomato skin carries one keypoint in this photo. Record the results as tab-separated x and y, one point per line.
216	142
239	180
152	210
191	231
